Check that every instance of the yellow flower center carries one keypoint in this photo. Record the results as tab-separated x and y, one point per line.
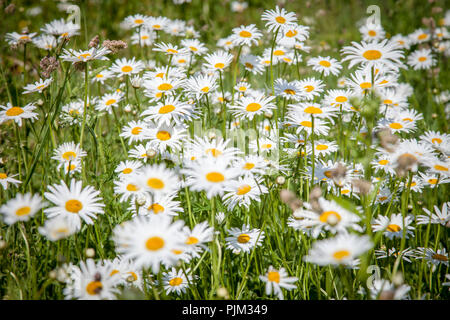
243	238
175	281
243	190
205	89
289	91
172	50
166	109
23	211
110	102
393	228
84	55
422	59
341	99
136	130
127	171
14	111
440	168
432	181
325	63
306	124
138	21
372	54
365	85
422	36
326	214
69	155
3	175
322	147
291	33
127	69
436	140
74	206
313	110
165	86
266	146
280	20
253	107
192	240
214	152
94	287
278	53
156	208
249	166
372	33
99	75
215	177
383	162
245	34
219	65
132	187
249	65
395	125
341	254
163	135
144	37
439	257
154	243
156	26
273	276
309	88
155	183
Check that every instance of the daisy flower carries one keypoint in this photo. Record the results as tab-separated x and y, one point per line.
126	271
248	107
333	218
279	19
75	56
342	249
91	281
171	110
244	239
157	87
246	35
102	76
433	257
303	122
432	180
124	66
251	63
197	237
38	86
74	202
439	167
311	87
251	165
394	227
157	179
45	42
128	189
210	175
194	46
381	286
338	98
127	167
157	23
405	254
419	36
199	86
169	49
108	101
149	241
176	281
242	192
288	90
143	37
217	148
325	65
403	42
14	38
421	59
136	21
277	279
372	32
163	204
17	114
142	152
178	27
166	136
371	54
61	28
5	180
21	208
68	152
438	217
135	131
57	228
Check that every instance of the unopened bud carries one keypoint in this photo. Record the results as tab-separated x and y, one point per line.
151	153
223	293
90	252
127	108
2	244
141	201
268	114
397	280
280	180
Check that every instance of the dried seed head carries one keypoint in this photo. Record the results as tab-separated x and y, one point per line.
314	197
405	163
79	66
48	65
94	42
338	174
387	295
387	139
10	8
114	45
287	196
363	186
